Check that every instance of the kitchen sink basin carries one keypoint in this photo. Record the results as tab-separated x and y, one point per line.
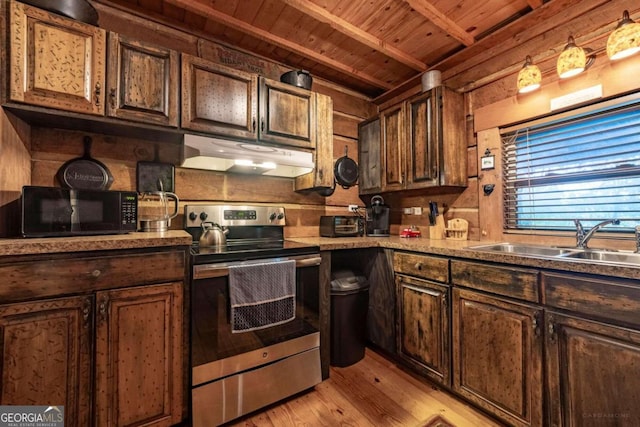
552	252
523	249
605	256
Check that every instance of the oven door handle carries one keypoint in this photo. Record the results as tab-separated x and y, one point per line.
206	271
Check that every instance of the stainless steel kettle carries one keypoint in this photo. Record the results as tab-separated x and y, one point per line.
213	235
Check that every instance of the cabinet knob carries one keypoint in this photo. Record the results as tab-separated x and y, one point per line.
97	91
96	273
112	97
418	266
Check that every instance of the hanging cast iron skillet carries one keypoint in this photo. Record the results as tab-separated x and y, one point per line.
85	173
345	170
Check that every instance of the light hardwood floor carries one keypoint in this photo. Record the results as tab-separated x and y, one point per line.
372	392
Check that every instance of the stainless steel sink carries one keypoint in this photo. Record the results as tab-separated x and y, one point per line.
551	252
523	249
605	256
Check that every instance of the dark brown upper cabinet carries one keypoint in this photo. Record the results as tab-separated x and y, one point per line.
142	82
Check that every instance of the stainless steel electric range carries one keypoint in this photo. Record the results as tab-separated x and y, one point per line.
235	372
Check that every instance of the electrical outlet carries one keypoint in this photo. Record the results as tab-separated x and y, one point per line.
353	208
407	211
417	210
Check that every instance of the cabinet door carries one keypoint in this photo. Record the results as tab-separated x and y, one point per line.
593	373
218	99
40	39
423	134
287	114
46	356
393	146
139	347
424	326
369	144
142	82
322	174
452	136
497	356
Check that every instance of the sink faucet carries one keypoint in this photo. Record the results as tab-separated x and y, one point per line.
583	238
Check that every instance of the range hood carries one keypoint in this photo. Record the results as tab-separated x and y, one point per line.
202	152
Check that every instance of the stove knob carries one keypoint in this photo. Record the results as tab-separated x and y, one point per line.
193	216
272	216
280	215
203	216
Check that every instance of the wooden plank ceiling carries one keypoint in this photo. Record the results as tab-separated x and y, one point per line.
370	46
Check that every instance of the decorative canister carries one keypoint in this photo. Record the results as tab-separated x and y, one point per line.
431	79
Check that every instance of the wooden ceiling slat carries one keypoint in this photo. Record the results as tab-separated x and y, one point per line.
434	15
214	14
356	33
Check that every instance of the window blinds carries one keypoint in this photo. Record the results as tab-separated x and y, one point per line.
584	167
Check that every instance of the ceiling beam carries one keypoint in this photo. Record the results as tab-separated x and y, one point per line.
350	30
427	10
215	15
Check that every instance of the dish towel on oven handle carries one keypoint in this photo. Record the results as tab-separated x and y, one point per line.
262	295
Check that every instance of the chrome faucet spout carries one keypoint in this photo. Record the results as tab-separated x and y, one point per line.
583	238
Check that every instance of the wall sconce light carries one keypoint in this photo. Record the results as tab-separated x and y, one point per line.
573	60
529	77
625	39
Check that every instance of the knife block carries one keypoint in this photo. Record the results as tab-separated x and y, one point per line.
436	232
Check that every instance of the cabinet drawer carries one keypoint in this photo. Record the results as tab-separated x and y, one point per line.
595	297
507	281
423	266
53	277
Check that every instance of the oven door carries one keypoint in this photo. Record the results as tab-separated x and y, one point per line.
216	352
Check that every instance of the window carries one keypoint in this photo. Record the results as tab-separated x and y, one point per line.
584	167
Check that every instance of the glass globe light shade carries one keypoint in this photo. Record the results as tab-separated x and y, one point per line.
573	60
529	77
624	41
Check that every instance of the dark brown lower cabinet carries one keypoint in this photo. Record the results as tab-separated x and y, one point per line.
46	355
593	373
497	356
139	356
424	327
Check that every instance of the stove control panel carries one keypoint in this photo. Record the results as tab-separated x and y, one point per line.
231	215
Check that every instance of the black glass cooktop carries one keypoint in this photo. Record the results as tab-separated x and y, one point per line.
238	251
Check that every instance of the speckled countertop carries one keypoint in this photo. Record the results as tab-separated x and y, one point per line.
34	246
448	248
458	249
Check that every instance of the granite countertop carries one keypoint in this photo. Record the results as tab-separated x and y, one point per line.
49	245
459	249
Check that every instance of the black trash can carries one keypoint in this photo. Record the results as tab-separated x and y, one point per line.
349	305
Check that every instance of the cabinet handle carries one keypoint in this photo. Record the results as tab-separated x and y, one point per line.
97	91
253	124
112	97
552	332
444	301
262	125
418	266
536	324
86	311
102	310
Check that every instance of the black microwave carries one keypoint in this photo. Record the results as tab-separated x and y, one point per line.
52	212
